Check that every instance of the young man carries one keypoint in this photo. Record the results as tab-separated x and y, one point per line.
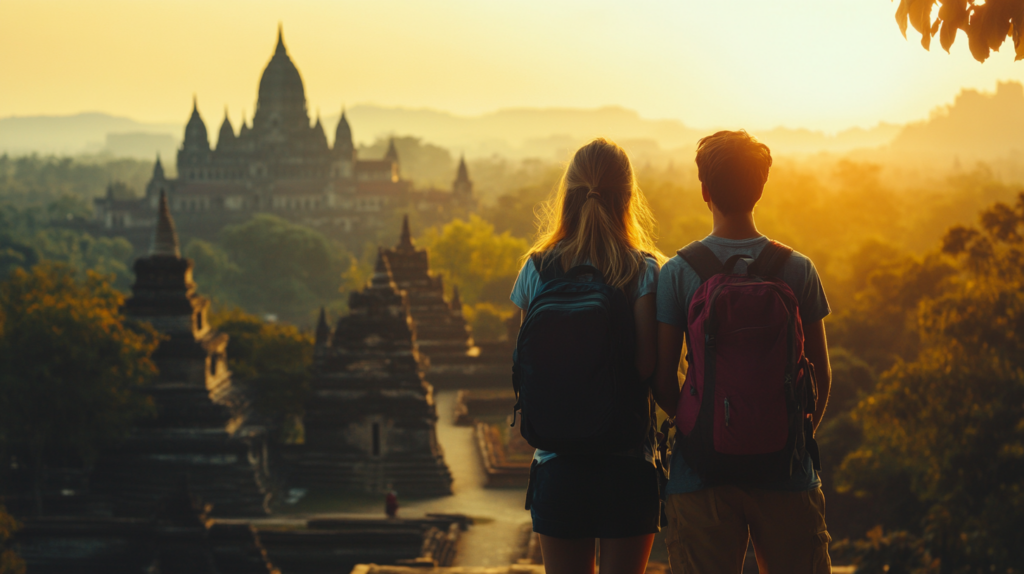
709	524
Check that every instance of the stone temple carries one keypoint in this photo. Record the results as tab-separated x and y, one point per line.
450	357
200	433
370	420
281	164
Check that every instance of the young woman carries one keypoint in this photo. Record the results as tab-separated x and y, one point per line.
598	217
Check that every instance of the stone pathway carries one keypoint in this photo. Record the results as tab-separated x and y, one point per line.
499	513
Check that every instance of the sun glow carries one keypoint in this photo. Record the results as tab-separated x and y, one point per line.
821	65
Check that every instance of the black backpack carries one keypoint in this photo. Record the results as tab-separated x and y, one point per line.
574	370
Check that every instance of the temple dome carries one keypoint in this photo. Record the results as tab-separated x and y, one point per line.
195	130
281	85
226	137
343	137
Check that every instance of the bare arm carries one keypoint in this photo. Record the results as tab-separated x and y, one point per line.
644	311
666	380
816	350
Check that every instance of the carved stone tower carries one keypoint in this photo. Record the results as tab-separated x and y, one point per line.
371	419
441	333
199	432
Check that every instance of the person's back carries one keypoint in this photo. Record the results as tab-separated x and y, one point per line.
711	515
593	264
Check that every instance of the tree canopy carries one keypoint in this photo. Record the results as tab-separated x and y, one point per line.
987	24
270	266
73	370
471	255
946	427
273	359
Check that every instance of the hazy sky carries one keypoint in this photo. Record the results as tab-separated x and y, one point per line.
824	64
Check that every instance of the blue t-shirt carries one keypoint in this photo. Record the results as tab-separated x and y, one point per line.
676	286
527	285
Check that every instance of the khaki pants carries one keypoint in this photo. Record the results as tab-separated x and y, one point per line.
708	529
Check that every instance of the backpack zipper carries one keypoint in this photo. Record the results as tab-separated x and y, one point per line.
726	412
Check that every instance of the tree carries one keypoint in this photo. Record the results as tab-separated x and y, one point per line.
879	322
471	255
947	429
987	25
26	237
284	269
37	180
73	371
273	359
214	271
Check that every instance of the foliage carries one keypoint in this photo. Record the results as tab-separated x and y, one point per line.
360	270
879	324
894	553
34	180
526	185
488	321
73	370
471	255
273	359
27	237
949	425
987	24
213	270
10	563
270	266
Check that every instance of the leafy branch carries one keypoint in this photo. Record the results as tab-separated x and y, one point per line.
987	24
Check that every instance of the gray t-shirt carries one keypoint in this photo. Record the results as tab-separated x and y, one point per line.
528	284
676	286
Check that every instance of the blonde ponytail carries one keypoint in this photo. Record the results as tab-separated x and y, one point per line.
598	214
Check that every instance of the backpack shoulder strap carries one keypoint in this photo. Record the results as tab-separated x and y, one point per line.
702	259
547	267
771	259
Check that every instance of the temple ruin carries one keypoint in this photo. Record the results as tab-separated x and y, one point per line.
200	432
451	357
370	419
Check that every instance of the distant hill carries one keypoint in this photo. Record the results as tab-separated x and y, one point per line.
976	125
551	133
87	133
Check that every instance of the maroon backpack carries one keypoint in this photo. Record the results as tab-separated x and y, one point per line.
744	413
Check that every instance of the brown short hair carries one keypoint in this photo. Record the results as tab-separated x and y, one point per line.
734	168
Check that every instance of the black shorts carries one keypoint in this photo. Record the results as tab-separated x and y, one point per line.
586	496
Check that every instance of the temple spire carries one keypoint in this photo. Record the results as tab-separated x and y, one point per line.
158	169
165	238
462	187
323	331
392	154
456	302
343	138
280	39
405	241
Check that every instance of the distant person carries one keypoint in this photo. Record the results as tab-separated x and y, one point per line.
751	310
391	503
584	361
